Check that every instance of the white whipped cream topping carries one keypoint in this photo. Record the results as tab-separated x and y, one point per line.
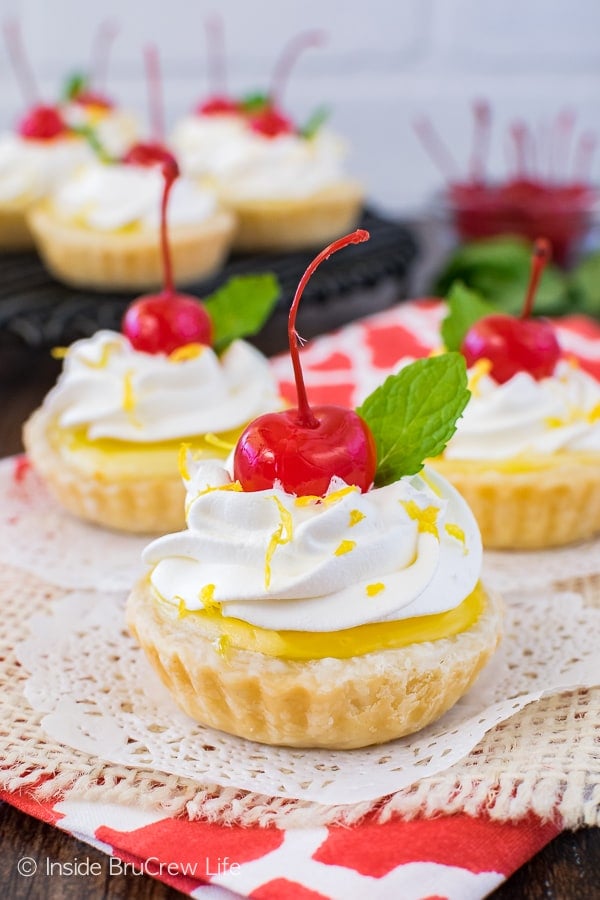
117	392
30	169
107	197
117	129
328	557
558	413
248	165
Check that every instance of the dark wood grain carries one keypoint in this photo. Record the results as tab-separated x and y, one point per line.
567	869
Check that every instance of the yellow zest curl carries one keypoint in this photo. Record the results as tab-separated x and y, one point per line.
426	519
374	589
345	547
356	516
188	351
481	368
182	461
282	535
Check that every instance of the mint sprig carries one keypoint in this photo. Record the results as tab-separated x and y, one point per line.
413	414
465	307
241	306
255	103
74	85
315	122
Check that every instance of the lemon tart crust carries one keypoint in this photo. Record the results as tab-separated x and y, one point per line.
531	502
333	703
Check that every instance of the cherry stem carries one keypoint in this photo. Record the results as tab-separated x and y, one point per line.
103	39
215	44
481	140
288	59
584	155
520	136
436	148
170	175
563	130
155	101
20	63
541	256
305	415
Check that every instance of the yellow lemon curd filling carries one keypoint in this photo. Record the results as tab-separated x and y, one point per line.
108	458
524	462
231	633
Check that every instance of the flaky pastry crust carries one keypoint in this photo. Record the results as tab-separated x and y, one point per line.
334	703
128	260
555	503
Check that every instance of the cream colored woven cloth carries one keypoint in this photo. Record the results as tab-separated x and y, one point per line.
545	759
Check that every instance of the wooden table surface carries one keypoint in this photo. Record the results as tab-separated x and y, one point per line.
567	869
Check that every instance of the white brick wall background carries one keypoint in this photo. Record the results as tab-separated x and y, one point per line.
385	63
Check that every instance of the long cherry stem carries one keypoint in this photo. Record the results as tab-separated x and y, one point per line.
20	63
103	39
541	256
584	155
305	415
170	175
481	140
215	45
289	58
155	100
436	148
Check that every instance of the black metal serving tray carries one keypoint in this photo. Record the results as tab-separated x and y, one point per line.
39	312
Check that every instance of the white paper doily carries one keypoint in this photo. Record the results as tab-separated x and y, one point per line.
40	537
100	696
529	570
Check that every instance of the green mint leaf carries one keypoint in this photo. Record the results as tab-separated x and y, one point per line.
89	133
584	285
315	121
241	306
255	103
465	307
74	85
413	414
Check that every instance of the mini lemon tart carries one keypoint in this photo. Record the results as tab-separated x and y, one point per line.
526	457
101	229
319	597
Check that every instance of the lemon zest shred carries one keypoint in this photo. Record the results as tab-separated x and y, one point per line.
282	535
481	368
129	398
187	351
207	598
223	645
216	441
230	486
356	516
455	531
59	352
344	547
182	609
426	519
376	588
338	495
182	461
594	414
307	500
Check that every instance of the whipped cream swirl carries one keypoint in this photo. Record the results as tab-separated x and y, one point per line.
114	391
116	129
108	197
558	413
246	165
30	169
409	549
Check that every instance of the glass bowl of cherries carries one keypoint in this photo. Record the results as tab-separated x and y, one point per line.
548	189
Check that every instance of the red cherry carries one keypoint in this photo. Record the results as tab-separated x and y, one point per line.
516	344
160	323
92	98
42	123
217	105
270	123
305	448
151	153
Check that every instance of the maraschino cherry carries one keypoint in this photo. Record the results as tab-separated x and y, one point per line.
514	344
42	122
303	448
164	322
